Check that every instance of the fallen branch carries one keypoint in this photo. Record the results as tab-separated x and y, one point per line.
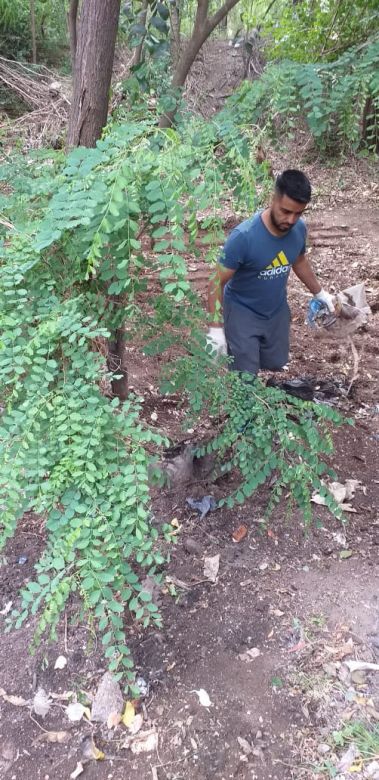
355	365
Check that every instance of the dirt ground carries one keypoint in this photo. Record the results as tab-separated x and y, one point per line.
301	602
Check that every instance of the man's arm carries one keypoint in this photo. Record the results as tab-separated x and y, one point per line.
216	293
307	276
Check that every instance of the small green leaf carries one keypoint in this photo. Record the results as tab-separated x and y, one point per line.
345	554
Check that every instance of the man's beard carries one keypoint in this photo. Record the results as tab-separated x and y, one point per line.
276	224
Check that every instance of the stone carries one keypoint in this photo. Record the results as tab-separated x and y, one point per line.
108	699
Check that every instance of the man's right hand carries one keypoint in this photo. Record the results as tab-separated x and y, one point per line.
216	340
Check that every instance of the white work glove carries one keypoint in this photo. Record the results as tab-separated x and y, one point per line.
216	340
327	298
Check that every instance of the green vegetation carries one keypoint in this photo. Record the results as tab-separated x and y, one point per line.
337	102
76	289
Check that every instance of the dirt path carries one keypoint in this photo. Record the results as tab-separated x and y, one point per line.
291	598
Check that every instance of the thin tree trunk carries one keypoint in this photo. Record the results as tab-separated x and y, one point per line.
93	71
32	11
175	22
370	125
203	27
72	19
139	49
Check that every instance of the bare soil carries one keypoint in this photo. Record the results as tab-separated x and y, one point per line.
283	590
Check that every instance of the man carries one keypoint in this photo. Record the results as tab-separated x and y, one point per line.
251	280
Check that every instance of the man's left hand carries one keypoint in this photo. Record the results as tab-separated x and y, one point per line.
324	297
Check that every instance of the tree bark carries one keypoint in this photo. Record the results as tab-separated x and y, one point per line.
202	29
175	22
370	125
72	18
32	11
93	71
137	57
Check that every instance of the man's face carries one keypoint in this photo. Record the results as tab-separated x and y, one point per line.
285	212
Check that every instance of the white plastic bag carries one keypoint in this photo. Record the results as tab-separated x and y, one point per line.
352	311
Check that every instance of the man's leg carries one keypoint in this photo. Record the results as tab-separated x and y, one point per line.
276	341
243	331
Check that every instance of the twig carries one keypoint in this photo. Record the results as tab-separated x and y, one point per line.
38	724
355	365
65	632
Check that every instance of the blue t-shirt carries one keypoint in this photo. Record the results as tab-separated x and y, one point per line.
262	262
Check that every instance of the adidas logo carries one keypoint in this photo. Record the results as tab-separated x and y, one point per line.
279	266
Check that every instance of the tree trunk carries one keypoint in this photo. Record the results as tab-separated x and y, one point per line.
93	71
370	125
175	22
203	27
72	17
32	11
137	57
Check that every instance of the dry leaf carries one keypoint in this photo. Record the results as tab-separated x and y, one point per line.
7	608
341	651
348	758
41	703
365	666
54	736
145	742
128	714
249	655
211	567
78	771
239	533
136	725
62	696
245	745
61	662
203	697
17	701
75	712
114	719
89	750
342	494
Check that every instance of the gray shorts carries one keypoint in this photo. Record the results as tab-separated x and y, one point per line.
254	342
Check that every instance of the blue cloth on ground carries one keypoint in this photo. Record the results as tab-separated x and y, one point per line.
202	505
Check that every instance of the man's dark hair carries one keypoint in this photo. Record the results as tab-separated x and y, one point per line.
295	184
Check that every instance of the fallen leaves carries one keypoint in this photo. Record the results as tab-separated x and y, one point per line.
77	771
145	742
75	711
54	737
114	718
249	655
203	697
342	494
354	666
17	701
89	750
344	554
61	662
41	703
128	714
340	651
